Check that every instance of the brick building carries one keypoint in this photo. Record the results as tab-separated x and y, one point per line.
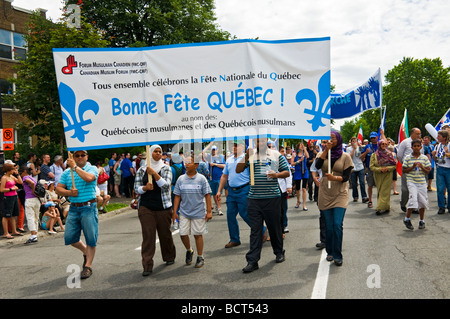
13	22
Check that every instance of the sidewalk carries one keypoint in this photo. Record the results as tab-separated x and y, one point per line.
42	234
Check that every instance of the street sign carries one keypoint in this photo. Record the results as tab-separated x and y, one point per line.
7	139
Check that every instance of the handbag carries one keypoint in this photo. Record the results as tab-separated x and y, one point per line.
102	178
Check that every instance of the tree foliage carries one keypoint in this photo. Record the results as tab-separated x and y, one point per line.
420	86
153	22
36	94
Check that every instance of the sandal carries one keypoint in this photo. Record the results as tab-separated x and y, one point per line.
86	273
7	237
17	234
369	204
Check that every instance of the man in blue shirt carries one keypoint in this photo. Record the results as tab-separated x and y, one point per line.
127	175
216	164
83	214
238	188
368	150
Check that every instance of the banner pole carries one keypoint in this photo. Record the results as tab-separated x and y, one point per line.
70	155
252	167
329	166
147	150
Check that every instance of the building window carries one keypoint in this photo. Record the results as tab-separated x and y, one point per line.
12	45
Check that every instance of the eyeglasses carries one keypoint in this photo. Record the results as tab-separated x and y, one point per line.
80	155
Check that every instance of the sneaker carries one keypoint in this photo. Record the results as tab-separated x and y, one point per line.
421	225
200	262
31	241
51	232
286	230
219	211
408	224
441	211
189	255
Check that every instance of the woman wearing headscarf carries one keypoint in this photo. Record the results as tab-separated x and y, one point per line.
382	165
155	208
333	200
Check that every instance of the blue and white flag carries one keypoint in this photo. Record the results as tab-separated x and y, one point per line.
357	100
444	119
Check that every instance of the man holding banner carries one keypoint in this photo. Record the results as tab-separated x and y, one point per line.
264	201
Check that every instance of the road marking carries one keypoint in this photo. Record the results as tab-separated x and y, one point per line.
157	240
320	285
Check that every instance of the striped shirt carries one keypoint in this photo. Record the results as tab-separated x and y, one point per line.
265	187
417	175
86	190
192	191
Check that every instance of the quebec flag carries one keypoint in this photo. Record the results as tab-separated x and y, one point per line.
357	100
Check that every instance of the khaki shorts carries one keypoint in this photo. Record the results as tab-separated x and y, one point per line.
117	179
190	226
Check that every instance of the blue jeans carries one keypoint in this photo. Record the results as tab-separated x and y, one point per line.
236	204
334	220
442	182
84	218
362	184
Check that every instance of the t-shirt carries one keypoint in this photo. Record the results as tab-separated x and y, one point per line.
216	172
28	191
416	175
236	179
125	166
192	191
86	191
372	149
265	187
357	162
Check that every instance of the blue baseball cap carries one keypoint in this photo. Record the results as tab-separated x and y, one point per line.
373	134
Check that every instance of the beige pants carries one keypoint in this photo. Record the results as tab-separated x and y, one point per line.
32	206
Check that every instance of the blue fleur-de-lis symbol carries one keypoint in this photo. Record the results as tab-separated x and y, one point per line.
317	107
68	102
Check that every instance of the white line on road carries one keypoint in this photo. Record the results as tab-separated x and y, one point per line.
320	286
157	240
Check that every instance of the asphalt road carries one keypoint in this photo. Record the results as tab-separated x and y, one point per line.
382	260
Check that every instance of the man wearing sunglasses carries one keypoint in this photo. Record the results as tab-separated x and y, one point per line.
83	214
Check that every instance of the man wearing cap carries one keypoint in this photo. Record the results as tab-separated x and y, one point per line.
368	150
83	214
238	188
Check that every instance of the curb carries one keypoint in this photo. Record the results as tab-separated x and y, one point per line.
43	234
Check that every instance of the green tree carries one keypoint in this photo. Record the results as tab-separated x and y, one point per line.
420	86
36	94
153	22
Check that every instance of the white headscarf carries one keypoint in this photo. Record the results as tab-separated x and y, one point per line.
156	165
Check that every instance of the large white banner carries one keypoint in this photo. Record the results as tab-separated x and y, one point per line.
194	92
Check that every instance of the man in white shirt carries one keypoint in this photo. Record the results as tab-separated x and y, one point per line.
358	172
